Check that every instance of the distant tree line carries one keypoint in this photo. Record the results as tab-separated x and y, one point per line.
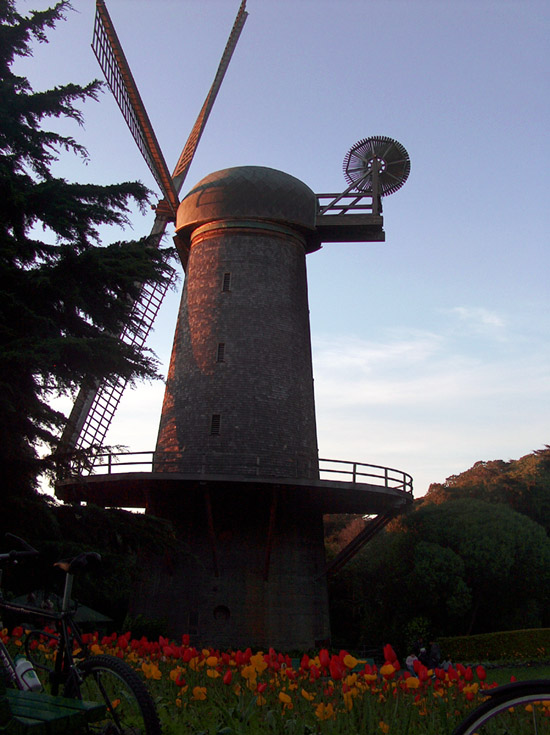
471	556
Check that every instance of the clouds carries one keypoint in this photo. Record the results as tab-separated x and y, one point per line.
479	319
428	402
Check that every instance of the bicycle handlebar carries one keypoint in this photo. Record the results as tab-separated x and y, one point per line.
16	554
71	566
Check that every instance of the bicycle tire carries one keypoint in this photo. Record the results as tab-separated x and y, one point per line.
130	707
504	711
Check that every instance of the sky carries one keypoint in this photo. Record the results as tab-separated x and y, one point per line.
431	351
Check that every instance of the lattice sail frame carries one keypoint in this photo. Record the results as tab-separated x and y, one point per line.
95	406
111	58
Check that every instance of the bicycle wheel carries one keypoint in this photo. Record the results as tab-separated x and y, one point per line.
521	708
130	708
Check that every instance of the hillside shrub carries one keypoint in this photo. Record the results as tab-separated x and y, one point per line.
509	645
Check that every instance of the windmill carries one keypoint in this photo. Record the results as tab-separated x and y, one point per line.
236	465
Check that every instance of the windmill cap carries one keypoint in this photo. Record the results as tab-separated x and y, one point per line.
248	192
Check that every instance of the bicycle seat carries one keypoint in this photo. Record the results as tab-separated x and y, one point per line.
78	563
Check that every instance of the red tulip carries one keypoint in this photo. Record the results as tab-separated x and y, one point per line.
336	668
481	673
389	654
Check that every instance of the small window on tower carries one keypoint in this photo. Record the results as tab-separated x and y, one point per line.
226	283
220	357
215	424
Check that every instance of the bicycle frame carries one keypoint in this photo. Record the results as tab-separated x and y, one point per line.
128	706
66	632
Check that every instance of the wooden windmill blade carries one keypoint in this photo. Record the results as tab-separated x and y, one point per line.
96	405
184	162
111	58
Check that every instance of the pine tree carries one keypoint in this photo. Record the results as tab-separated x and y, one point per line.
63	296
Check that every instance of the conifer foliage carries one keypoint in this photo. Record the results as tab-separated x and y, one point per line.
63	296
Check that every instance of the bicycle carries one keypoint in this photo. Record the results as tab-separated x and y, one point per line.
76	673
518	708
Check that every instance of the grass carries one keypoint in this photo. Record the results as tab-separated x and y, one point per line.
521	671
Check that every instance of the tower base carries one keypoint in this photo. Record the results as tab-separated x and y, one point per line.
249	573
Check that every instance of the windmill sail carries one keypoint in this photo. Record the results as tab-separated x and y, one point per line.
96	405
182	167
112	61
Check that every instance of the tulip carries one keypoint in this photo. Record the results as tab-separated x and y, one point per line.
325	711
199	693
336	668
387	671
481	673
350	661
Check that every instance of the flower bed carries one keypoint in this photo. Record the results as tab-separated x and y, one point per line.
230	692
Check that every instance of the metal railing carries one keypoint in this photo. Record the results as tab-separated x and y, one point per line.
348	203
110	463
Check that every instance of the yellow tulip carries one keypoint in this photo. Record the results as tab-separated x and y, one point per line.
199	693
308	695
413	682
350	661
387	670
248	672
348	700
151	671
325	711
258	662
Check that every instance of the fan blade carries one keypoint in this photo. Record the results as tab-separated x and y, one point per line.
112	61
182	166
392	165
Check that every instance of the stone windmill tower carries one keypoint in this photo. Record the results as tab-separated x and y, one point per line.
236	466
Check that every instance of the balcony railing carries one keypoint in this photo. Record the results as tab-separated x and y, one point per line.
348	203
110	463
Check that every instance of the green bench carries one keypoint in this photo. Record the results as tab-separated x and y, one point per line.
34	713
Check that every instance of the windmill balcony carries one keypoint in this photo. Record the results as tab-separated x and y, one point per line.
342	486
